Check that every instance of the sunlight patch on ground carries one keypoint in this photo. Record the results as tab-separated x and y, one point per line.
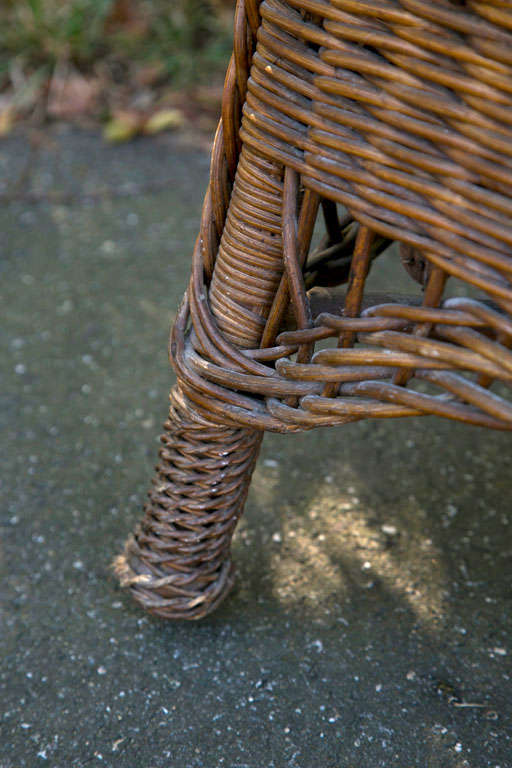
331	550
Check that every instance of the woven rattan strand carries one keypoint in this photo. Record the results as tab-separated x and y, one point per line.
391	120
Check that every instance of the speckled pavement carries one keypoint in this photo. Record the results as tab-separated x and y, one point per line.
370	627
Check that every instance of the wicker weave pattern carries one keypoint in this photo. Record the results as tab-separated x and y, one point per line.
416	143
412	133
400	111
178	562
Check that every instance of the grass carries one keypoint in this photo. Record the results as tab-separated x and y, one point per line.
188	39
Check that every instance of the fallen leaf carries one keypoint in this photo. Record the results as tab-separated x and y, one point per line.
123	126
164	120
7	117
71	95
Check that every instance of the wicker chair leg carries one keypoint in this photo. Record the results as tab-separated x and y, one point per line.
177	564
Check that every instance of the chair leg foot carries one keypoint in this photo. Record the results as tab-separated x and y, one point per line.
177	563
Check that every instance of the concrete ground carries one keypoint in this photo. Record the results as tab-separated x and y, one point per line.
371	623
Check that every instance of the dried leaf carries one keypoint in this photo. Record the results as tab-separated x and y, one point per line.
164	120
123	126
7	117
71	95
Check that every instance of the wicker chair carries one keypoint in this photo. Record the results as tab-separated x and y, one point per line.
393	120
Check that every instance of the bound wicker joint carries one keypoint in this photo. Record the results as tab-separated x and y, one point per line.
392	120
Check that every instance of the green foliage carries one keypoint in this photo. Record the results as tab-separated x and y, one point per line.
186	37
45	31
194	44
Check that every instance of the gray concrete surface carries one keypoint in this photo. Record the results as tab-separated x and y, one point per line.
371	623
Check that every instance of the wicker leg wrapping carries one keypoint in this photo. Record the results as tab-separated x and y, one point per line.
178	563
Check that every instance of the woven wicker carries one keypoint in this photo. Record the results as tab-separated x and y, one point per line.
393	120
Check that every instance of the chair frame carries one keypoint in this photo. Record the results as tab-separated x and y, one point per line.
400	111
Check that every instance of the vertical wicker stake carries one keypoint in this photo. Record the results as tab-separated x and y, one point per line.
358	273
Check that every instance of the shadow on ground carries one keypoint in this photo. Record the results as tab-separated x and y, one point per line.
371	619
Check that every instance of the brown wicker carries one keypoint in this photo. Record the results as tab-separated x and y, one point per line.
400	111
